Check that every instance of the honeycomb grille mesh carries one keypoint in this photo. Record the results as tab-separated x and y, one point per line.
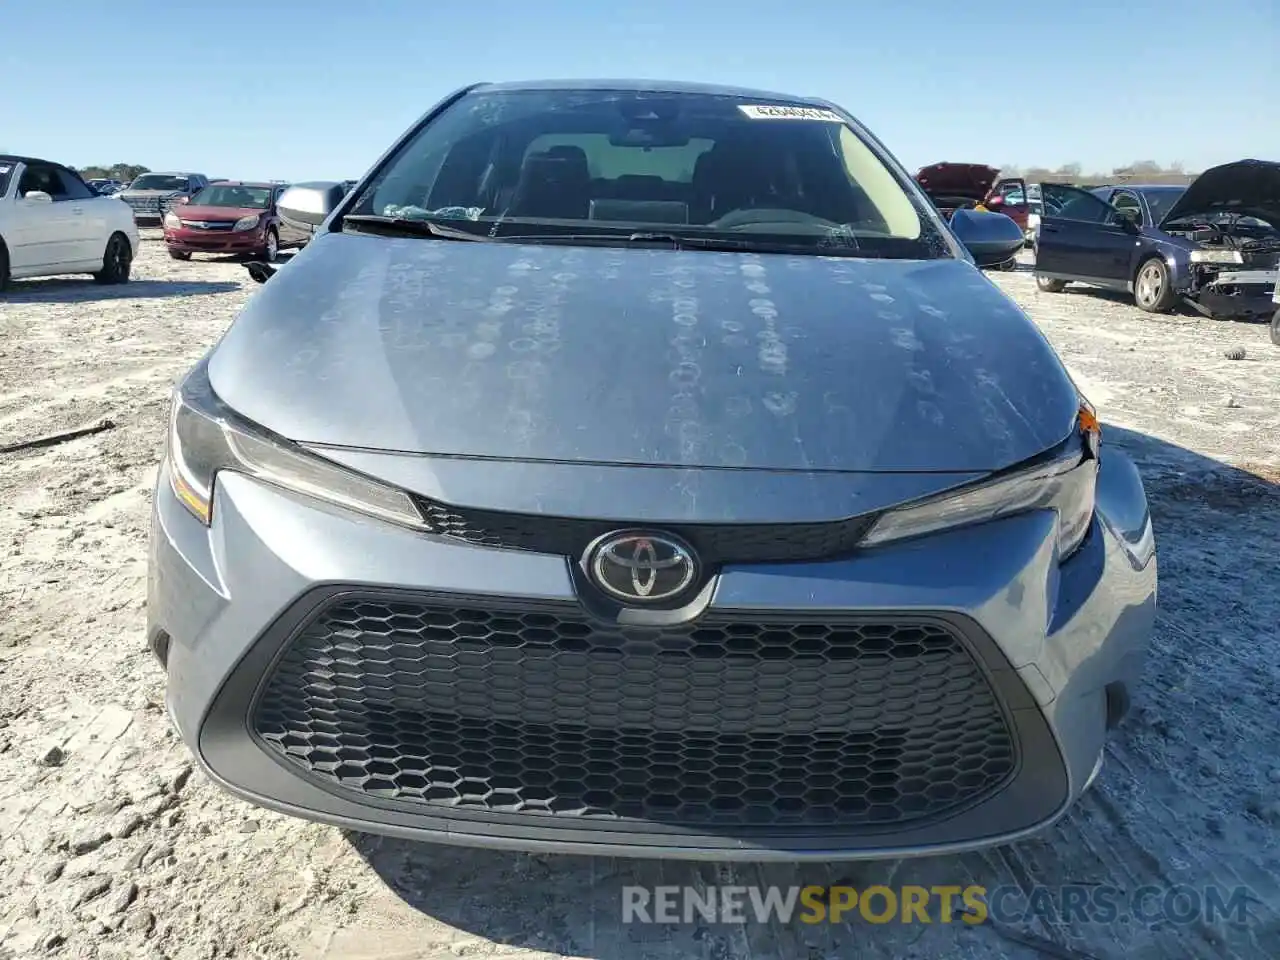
720	723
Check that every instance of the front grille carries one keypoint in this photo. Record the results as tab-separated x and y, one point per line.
723	722
715	544
147	206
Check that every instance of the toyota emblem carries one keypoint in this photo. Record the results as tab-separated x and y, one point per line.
642	567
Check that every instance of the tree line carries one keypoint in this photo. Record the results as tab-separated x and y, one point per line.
123	172
1140	171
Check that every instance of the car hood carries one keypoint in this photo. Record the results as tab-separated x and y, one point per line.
972	180
188	211
607	355
1247	187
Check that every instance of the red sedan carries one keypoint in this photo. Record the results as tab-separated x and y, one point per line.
230	217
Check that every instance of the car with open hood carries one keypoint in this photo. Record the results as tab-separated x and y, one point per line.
1213	246
647	469
961	186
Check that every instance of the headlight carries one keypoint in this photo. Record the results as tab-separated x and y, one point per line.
1065	483
1217	256
247	223
171	221
206	438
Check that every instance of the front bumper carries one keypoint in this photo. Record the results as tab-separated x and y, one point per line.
214	241
1243	293
265	620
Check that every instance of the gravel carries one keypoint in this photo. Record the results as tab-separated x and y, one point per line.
110	846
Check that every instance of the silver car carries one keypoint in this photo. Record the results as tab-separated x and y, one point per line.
641	469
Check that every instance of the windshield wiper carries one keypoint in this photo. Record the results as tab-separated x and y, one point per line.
410	226
674	240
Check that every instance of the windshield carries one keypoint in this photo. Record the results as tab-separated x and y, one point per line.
159	181
6	170
534	163
1161	201
257	198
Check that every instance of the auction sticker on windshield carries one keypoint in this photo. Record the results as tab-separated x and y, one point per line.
766	112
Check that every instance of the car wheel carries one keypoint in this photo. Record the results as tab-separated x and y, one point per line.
4	266
116	261
1051	286
180	254
272	250
1152	289
1275	321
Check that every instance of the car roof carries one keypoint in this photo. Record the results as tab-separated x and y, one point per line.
17	158
263	184
652	86
1142	186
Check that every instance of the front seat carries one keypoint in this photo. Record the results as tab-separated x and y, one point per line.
729	177
553	184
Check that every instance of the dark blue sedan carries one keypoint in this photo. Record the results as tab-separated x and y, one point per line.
1214	245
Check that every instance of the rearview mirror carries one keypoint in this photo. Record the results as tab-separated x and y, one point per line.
992	239
307	205
37	196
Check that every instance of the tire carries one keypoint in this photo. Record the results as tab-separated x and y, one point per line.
1050	286
179	254
4	267
271	252
1152	287
1275	321
117	261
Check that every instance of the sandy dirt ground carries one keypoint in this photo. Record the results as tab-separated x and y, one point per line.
110	845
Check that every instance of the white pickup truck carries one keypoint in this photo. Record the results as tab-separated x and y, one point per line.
52	222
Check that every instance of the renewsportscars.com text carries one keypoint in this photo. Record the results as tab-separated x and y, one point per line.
972	904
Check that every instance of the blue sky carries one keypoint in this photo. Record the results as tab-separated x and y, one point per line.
318	89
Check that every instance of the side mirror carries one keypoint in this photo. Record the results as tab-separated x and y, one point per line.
992	239
307	205
37	196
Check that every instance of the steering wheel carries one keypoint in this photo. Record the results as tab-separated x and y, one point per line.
763	216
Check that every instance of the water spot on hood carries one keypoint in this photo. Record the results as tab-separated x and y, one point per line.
737	406
781	404
481	351
529	369
906	339
921	381
881	298
930	411
685	374
764	308
932	311
733	454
